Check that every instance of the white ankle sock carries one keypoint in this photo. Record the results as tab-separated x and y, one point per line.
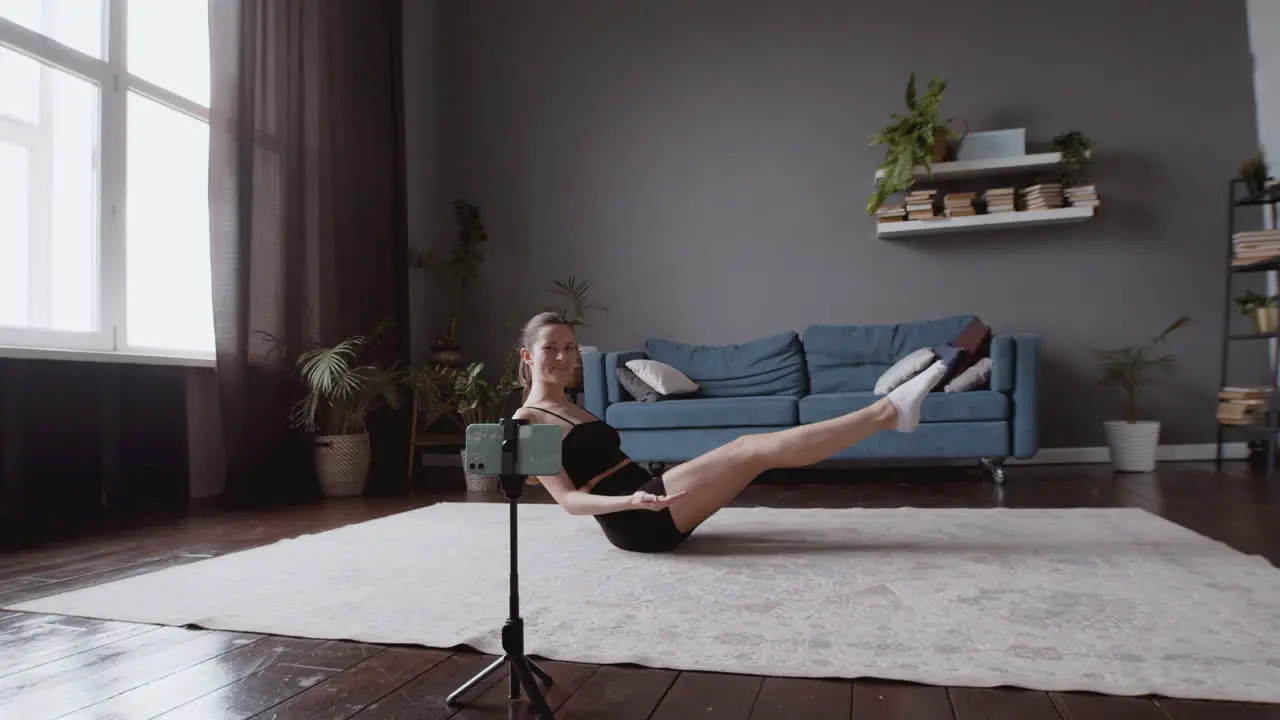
908	396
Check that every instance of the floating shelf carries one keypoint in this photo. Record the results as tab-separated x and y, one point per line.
991	221
988	166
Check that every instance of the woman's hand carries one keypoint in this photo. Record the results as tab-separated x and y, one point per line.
642	500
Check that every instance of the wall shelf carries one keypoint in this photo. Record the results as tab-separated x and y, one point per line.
986	167
993	221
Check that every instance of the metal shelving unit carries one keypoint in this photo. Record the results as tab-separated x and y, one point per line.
1236	200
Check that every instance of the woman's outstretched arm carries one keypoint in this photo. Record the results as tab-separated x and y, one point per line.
579	502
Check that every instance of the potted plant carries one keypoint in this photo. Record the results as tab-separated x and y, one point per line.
1132	441
457	270
920	137
575	311
1254	173
1076	149
342	387
431	388
1264	309
477	400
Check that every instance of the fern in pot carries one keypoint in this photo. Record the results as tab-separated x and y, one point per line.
921	136
476	401
341	389
1132	441
1254	172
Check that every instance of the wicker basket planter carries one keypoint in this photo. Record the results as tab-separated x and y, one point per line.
477	482
342	464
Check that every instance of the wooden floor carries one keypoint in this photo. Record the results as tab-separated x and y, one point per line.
64	667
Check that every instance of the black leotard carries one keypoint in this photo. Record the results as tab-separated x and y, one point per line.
593	447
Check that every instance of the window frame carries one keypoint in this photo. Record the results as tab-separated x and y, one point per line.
110	74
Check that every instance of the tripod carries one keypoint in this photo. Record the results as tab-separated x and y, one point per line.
523	669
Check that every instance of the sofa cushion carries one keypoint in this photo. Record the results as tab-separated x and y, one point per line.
662	377
704	412
636	387
938	407
850	358
977	376
771	365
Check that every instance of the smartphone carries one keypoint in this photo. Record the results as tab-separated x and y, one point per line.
537	449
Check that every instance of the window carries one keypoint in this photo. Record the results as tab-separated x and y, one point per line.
104	192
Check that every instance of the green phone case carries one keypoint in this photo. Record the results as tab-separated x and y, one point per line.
537	449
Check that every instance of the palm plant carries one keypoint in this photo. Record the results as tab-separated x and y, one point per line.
575	294
342	387
915	138
1124	369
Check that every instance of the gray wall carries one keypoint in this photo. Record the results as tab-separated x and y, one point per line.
423	164
1264	41
705	164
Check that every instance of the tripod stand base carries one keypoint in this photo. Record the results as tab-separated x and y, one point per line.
523	673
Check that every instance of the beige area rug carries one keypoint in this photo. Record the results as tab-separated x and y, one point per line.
1115	601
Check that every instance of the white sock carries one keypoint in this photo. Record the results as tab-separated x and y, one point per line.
908	396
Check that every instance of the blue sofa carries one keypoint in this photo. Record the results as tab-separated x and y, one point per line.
790	378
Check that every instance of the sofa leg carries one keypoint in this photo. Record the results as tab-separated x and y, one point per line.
995	466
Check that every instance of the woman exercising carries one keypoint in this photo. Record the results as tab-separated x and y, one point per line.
641	513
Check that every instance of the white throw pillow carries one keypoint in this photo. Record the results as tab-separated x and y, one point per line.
973	378
662	377
905	369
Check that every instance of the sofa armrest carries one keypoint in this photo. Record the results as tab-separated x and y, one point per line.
613	361
593	383
1015	371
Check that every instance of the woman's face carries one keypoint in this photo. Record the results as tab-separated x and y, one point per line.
553	355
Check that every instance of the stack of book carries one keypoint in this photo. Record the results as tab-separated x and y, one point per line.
1243	405
960	204
1044	196
1255	246
1083	196
920	205
891	213
999	200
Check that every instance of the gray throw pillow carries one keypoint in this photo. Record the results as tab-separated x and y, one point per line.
637	388
974	378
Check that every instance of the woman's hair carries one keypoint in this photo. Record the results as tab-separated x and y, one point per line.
529	335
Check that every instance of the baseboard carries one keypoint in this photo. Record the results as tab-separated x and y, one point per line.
1164	453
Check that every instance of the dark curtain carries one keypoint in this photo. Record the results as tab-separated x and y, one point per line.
307	193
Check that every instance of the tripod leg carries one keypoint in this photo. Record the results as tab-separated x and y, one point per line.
520	667
456	694
514	679
542	674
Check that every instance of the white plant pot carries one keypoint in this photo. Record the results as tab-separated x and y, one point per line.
477	482
342	464
1133	445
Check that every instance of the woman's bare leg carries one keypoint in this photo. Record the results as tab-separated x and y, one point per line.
713	479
